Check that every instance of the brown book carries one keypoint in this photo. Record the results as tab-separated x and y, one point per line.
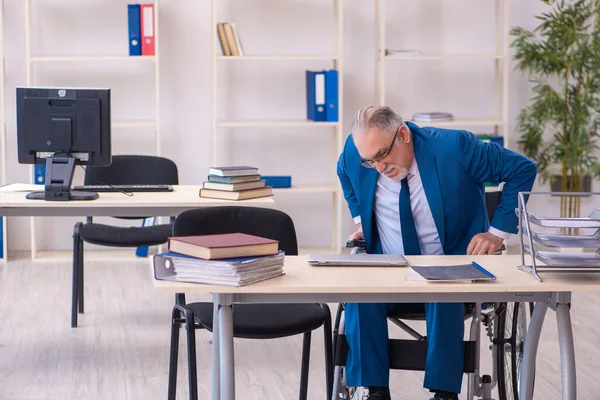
231	40
223	40
239	195
228	245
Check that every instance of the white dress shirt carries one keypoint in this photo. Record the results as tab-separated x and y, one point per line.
387	215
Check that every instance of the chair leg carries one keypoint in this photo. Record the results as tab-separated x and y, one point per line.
75	277
191	348
337	374
81	291
174	353
328	351
305	365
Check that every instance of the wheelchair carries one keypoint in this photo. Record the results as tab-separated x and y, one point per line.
504	324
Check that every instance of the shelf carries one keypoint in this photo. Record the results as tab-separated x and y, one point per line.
279	57
308	188
90	58
559	240
275	122
555	222
133	123
463	122
444	57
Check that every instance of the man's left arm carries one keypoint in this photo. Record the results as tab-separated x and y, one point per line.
489	162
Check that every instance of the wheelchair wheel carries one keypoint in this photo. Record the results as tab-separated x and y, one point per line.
512	319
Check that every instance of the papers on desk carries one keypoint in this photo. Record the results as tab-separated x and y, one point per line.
21	188
228	272
449	273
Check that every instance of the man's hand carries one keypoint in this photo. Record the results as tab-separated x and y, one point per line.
358	234
484	243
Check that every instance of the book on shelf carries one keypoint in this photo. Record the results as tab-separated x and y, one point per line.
229	39
226	245
278	181
432	117
240	271
406	52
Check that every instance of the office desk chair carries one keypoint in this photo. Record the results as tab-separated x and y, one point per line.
250	321
124	170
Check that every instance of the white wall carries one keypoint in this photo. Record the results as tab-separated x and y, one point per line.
254	89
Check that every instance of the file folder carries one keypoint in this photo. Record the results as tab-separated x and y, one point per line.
331	95
147	29
39	174
135	46
315	95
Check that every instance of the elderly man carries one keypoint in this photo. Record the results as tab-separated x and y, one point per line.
414	191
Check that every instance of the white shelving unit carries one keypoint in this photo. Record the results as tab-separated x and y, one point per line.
3	130
153	123
500	58
336	127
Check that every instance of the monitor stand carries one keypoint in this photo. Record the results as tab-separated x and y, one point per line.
59	176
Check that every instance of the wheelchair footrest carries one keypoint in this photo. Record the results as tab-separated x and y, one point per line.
408	354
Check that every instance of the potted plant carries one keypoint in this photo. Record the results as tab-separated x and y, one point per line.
560	127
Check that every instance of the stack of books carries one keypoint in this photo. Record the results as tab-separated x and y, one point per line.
235	183
231	259
432	117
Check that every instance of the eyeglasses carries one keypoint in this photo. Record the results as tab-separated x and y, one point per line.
381	157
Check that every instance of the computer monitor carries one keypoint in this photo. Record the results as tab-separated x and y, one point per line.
63	127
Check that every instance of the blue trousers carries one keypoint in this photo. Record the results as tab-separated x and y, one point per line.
367	335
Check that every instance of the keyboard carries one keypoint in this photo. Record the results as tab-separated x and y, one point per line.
124	188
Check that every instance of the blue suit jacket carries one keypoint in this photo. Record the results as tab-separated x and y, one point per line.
453	166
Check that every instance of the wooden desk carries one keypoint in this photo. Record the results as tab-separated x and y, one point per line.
308	284
140	204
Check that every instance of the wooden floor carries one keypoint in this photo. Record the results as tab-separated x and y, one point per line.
120	350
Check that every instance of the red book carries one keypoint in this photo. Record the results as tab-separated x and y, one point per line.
228	245
147	25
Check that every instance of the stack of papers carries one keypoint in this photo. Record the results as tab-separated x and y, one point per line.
229	272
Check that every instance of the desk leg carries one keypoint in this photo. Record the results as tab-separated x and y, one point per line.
216	365
567	352
226	347
532	340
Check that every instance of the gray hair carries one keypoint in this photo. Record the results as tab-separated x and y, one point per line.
381	117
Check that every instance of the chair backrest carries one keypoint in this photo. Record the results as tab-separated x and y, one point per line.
134	170
265	222
492	200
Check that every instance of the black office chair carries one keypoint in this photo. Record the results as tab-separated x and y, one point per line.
124	170
250	321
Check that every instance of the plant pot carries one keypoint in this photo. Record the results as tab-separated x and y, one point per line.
556	183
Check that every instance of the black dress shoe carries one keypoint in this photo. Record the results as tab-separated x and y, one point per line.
372	393
442	395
